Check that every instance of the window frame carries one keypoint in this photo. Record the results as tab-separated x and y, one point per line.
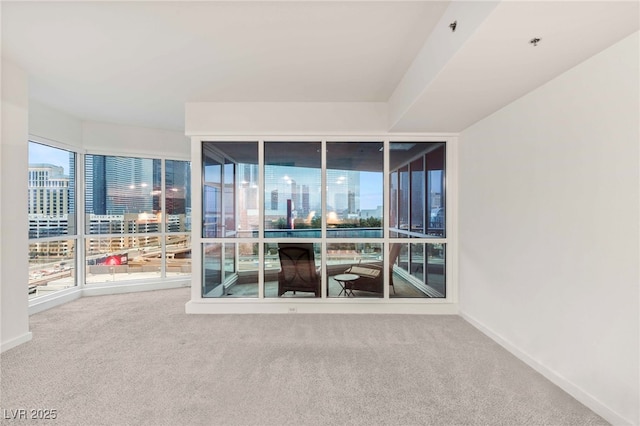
80	287
261	304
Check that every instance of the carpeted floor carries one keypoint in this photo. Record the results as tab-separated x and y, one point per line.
138	359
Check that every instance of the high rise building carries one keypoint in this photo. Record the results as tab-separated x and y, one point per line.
305	200
48	201
48	190
120	185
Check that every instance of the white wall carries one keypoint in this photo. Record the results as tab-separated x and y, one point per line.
549	230
13	222
120	139
285	118
54	125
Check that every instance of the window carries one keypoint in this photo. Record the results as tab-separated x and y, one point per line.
178	217
319	230
230	201
354	189
126	235
52	219
417	175
292	189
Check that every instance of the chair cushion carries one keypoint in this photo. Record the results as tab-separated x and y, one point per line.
365	272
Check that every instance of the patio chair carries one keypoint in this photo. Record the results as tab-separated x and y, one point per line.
371	277
297	269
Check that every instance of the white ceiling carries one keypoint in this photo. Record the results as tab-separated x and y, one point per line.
138	63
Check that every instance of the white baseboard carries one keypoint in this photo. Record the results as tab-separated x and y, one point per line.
94	290
572	389
310	306
58	298
54	299
12	343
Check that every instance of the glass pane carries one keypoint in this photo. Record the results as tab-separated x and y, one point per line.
355	270
123	258
122	194
229	259
246	282
403	198
178	195
52	266
292	189
292	270
231	199
212	224
417	195
408	273
212	270
435	160
393	198
232	280
417	175
178	251
51	191
436	270
354	189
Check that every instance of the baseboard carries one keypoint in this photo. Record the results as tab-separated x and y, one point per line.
49	301
310	306
94	290
575	391
16	341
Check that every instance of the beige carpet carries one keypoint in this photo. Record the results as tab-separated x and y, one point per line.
138	359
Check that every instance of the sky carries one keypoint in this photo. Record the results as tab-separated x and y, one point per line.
45	154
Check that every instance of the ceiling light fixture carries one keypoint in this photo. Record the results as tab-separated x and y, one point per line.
534	41
453	26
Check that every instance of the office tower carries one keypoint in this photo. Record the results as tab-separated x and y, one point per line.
120	185
305	200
